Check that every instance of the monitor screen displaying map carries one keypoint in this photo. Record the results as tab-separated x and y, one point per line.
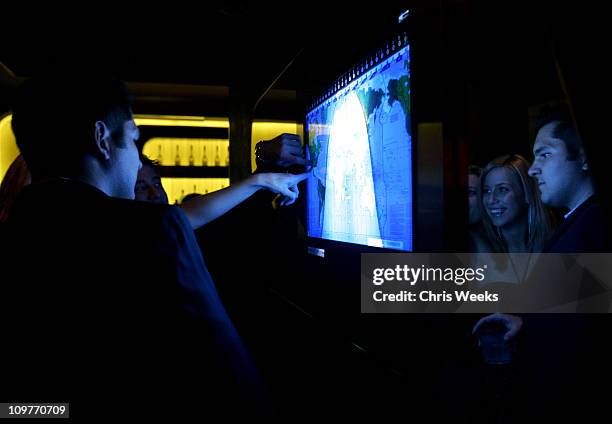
360	142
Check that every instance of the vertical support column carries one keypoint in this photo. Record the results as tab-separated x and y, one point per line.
240	121
429	189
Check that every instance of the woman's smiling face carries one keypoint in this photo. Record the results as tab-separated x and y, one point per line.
503	197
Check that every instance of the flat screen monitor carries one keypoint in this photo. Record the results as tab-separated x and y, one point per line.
360	141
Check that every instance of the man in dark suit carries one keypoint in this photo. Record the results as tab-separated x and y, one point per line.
562	172
110	304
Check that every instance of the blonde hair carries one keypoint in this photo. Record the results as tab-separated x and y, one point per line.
539	220
16	177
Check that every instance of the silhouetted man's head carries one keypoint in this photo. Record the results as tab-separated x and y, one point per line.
78	128
560	164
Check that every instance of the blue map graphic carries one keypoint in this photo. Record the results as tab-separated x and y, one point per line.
361	146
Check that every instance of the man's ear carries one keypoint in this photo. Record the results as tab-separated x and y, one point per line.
102	139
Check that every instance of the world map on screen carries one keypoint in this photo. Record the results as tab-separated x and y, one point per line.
360	143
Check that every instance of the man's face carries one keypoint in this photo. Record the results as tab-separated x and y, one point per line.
558	178
149	187
127	162
474	213
503	197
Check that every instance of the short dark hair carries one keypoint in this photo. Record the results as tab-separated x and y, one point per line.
564	130
54	119
150	163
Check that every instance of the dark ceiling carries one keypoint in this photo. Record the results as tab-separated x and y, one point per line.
238	43
214	43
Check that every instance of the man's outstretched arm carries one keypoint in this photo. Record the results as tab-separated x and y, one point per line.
202	209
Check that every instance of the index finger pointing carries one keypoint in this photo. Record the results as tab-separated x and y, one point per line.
300	177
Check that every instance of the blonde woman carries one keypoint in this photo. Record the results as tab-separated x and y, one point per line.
514	218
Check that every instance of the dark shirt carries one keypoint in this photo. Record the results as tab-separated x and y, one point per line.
566	351
110	299
581	232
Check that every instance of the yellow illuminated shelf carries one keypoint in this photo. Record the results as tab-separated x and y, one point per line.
178	188
194	163
181	121
187	152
